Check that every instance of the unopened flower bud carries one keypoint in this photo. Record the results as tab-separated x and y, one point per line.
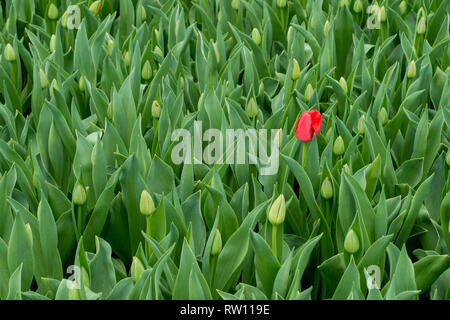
217	243
309	92
411	70
361	124
357	6
52	43
216	51
158	51
338	146
351	242
343	84
95	7
277	212
143	14
383	14
256	36
146	71
74	293
326	28
326	191
235	4
64	19
9	53
403	7
110	47
383	116
53	86
281	4
146	204
421	26
43	79
295	70
126	58
79	195
252	108
344	3
447	158
82	84
136	269
52	12
156	109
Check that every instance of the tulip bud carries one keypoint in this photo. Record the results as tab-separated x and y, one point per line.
383	116
143	14
281	4
338	146
217	243
295	70
52	43
383	14
351	242
256	36
158	51
343	84
52	12
79	195
309	92
357	6
110	47
277	211
403	7
447	158
53	86
109	111
344	3
216	51
290	34
411	70
146	71
235	4
361	124
74	293
156	109
9	53
146	204
327	189
136	269
421	26
326	28
82	84
346	168
95	7
43	79
252	108
126	58
64	19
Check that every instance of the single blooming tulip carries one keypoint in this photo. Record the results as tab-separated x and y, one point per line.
308	125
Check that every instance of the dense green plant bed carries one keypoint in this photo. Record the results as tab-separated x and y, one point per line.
123	175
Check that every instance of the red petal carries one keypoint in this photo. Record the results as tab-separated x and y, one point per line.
316	121
303	130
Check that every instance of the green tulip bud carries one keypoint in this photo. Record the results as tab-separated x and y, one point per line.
343	84
64	19
403	7
109	111
421	26
411	70
52	12
136	269
338	146
158	51
146	71
53	86
74	293
309	92
345	3
235	4
52	43
143	14
146	204
326	28
156	109
383	116
252	108
43	79
82	84
110	47
126	58
9	53
217	243
351	242
357	6
290	34
383	14
447	158
327	189
281	4
79	195
277	212
361	124
256	36
295	70
216	51
95	7
346	168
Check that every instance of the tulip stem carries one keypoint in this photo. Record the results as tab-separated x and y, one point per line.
212	266
305	149
274	240
148	249
79	218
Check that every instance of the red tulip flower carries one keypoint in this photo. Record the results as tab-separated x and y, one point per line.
308	125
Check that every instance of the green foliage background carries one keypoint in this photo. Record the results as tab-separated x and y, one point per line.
93	125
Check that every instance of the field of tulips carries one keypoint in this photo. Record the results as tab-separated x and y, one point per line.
119	180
